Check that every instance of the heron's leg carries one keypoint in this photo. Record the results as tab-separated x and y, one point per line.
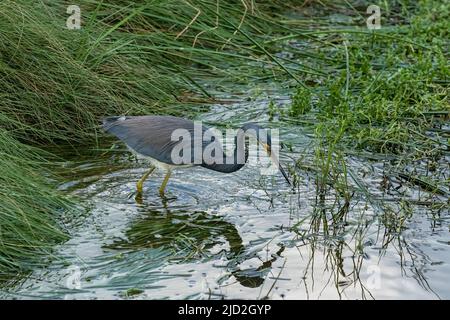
166	179
140	183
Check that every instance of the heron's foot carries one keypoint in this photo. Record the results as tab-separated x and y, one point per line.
140	183
164	183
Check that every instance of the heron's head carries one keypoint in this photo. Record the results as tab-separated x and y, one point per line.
263	137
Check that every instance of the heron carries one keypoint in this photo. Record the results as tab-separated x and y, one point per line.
151	136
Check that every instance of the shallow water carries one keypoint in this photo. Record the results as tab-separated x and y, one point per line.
241	235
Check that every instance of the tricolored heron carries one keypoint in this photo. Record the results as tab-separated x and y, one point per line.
151	136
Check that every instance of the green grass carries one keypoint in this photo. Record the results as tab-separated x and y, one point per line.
379	94
128	58
386	101
29	207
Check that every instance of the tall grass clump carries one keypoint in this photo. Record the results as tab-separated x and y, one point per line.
52	91
128	58
28	207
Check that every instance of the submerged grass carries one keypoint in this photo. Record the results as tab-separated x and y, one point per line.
385	101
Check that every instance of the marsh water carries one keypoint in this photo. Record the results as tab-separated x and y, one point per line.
237	236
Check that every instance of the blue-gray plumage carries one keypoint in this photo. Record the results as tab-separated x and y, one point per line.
151	136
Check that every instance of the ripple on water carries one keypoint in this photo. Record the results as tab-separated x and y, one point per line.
240	235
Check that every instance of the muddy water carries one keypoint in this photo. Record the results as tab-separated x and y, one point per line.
241	235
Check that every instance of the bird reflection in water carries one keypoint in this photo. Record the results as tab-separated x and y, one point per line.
191	235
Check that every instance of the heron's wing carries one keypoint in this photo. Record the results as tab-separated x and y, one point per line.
152	135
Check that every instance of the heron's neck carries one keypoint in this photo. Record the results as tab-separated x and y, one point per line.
237	160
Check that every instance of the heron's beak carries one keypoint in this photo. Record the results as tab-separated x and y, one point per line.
276	162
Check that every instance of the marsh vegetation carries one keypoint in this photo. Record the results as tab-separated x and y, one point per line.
363	116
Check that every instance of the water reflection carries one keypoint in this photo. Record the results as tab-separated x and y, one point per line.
349	250
247	239
191	235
